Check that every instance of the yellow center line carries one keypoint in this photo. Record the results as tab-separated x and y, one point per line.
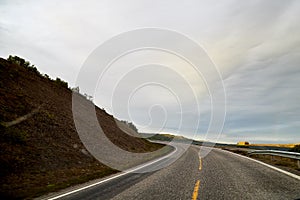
196	188
200	163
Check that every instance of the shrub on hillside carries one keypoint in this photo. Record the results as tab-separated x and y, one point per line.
296	148
26	64
22	62
47	76
130	125
60	82
12	135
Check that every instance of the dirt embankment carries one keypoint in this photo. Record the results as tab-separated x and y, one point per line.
40	148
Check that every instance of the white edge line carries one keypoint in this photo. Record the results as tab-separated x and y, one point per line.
114	177
265	164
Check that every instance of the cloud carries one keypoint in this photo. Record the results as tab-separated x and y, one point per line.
255	44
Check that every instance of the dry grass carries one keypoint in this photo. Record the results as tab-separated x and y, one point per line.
287	164
44	153
277	145
278	161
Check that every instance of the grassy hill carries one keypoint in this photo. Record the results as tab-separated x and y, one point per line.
164	137
277	145
40	148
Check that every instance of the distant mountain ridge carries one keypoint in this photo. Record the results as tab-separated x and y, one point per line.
170	137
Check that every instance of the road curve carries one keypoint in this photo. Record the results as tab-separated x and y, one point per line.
226	175
219	175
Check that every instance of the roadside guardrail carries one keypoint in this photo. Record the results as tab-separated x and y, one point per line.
284	154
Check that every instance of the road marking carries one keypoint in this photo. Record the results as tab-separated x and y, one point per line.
196	189
116	176
265	164
200	163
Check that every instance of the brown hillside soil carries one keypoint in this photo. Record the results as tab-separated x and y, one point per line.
43	153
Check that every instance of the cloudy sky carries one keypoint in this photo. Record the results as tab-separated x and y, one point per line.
254	44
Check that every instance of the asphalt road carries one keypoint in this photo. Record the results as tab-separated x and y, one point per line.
219	175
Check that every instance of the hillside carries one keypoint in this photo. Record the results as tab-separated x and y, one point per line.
165	137
277	145
40	148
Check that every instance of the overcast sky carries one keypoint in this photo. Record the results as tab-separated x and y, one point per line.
255	45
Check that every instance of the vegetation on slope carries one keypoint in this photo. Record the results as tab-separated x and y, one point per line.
40	148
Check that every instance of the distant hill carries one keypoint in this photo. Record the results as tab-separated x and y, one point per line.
169	137
175	138
40	148
160	137
163	137
277	145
